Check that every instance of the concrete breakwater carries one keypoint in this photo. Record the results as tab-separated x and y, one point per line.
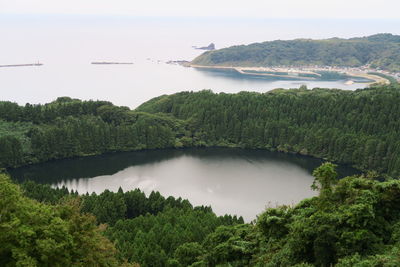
21	65
111	63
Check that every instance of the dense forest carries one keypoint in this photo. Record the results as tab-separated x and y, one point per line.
42	226
354	221
380	51
69	127
353	127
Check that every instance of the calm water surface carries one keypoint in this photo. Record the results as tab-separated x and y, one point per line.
234	181
68	44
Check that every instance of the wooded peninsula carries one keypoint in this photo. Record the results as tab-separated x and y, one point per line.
379	52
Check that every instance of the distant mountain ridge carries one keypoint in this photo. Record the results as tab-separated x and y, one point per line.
379	51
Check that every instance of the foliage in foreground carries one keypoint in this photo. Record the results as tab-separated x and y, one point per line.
36	234
144	229
354	221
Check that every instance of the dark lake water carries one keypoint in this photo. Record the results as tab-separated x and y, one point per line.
233	181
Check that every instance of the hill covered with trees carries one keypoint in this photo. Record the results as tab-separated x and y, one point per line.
352	127
378	51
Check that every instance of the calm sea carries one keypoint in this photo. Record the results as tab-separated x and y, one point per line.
66	45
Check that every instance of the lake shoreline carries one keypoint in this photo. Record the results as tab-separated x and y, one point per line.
201	171
183	149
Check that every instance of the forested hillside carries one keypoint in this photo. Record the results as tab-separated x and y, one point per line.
59	232
144	229
380	51
353	127
69	127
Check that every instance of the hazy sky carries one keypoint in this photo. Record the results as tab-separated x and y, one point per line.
388	9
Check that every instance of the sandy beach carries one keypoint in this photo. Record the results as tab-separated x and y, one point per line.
294	72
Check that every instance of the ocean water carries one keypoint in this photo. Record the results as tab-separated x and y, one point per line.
66	45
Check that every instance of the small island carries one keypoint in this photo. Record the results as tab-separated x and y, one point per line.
209	47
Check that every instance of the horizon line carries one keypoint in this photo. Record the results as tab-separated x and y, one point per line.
132	16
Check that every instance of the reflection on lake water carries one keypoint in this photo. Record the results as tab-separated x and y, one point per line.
234	181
